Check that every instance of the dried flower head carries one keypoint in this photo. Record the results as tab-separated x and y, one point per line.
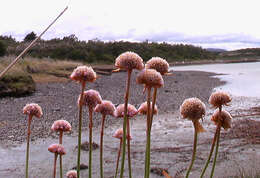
131	110
143	108
128	61
150	78
61	126
105	108
193	109
159	64
57	149
32	109
71	174
119	134
219	98
83	74
91	98
224	118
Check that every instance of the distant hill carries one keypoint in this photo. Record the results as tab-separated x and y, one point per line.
249	53
218	50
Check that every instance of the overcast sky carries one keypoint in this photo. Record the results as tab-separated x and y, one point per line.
229	24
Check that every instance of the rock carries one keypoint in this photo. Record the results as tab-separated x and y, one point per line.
158	171
81	167
85	146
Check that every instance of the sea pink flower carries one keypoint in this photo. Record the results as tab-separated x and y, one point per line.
150	78
61	125
129	61
33	109
57	149
83	74
159	64
143	108
91	98
131	110
105	108
119	134
71	174
224	118
219	98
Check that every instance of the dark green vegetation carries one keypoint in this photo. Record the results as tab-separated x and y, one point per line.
16	85
2	48
104	52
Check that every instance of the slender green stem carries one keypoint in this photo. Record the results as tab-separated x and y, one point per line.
153	106
128	148
60	142
217	146
28	146
90	143
54	166
215	157
118	157
79	129
211	152
148	135
101	145
194	151
124	124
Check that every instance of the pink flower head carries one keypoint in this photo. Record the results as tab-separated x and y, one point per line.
61	126
143	108
150	78
83	74
71	174
57	149
129	61
159	64
32	109
131	110
219	98
119	134
193	109
105	108
224	118
91	98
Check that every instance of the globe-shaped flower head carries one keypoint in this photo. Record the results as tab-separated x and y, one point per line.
131	110
219	98
150	78
32	109
71	174
129	61
106	108
83	74
57	149
159	64
225	121
193	109
119	134
61	126
91	98
143	108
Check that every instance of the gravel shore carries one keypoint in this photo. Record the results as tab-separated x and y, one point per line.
58	101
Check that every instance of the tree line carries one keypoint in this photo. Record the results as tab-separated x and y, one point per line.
70	47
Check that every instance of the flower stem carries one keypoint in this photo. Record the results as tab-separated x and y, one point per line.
128	148
101	145
54	166
211	152
118	157
218	136
90	142
148	135
28	146
79	129
194	151
124	124
60	142
153	106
